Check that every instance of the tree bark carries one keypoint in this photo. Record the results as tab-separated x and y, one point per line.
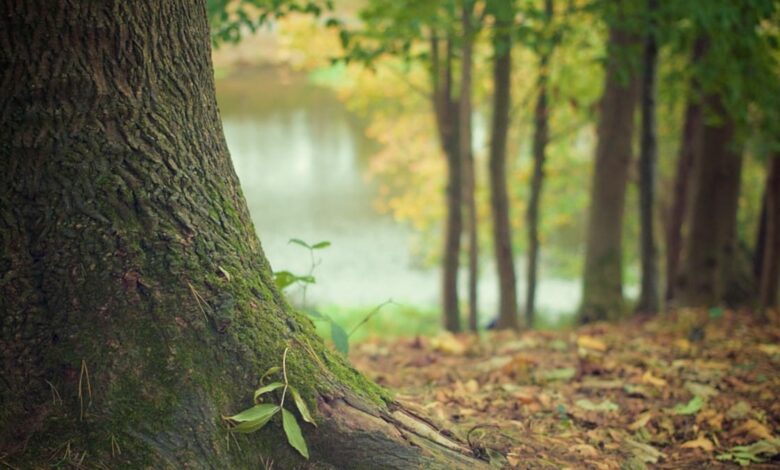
674	236
137	305
769	280
648	156
540	139
680	202
602	281
446	110
710	256
469	176
499	202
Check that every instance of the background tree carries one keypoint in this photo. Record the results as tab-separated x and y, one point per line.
540	138
603	275
503	13
769	250
648	155
137	305
465	144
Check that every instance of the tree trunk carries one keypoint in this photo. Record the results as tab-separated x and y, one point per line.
710	252
603	283
648	156
760	249
680	202
499	202
770	266
137	305
674	236
541	137
447	123
469	177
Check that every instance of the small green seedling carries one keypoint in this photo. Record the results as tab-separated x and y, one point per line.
255	418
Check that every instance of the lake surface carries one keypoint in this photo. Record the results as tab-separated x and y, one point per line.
301	158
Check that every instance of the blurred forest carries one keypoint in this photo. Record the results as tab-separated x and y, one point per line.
629	145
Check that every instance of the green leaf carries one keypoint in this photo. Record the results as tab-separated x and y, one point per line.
293	432
268	388
690	408
339	337
301	405
254	418
754	453
284	279
605	405
320	245
564	373
298	241
315	314
270	371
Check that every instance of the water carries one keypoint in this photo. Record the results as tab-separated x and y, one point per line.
300	156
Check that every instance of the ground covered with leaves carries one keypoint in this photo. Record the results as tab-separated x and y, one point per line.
688	389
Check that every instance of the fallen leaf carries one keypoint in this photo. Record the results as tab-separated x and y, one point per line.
738	410
700	443
753	429
641	421
690	408
605	405
448	344
589	342
585	450
564	373
649	378
644	452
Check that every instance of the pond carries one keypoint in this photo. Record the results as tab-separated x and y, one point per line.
301	157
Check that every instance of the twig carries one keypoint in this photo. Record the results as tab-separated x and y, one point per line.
84	373
284	373
198	300
368	317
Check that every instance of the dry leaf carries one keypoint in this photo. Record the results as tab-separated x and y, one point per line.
753	429
641	422
649	378
589	342
701	443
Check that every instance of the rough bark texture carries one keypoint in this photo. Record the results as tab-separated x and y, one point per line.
677	218
648	156
137	305
446	110
769	280
710	258
499	202
541	136
602	280
469	176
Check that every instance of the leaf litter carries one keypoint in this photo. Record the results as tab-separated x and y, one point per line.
681	390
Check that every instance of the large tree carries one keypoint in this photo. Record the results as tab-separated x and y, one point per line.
603	276
136	304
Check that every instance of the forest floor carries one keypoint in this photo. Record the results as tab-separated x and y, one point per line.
689	389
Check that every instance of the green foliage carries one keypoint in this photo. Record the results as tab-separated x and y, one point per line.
690	408
253	419
230	19
758	452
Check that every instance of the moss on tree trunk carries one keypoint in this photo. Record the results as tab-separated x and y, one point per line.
137	305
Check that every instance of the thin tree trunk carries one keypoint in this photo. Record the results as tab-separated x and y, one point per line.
770	266
465	145
541	137
447	122
709	254
648	156
603	277
137	305
499	202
